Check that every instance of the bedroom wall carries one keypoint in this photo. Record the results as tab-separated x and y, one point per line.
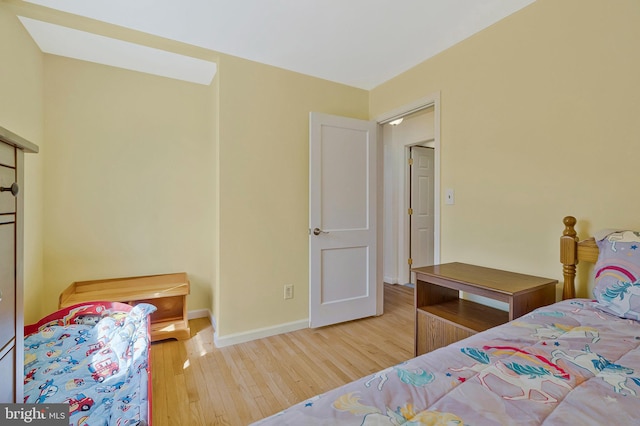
264	195
21	111
539	119
129	177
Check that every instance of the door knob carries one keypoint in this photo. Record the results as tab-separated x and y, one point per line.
14	188
318	231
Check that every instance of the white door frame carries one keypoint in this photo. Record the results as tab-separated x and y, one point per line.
420	104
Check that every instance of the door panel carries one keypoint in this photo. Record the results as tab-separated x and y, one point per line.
341	281
342	206
344	178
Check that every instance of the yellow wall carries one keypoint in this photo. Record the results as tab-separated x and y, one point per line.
135	178
264	167
129	177
539	119
21	111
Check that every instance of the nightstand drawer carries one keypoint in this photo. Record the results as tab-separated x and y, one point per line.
7	155
436	333
7	199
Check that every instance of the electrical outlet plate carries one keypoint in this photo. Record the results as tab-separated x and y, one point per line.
449	197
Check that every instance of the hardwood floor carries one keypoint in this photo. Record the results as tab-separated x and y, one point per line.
195	383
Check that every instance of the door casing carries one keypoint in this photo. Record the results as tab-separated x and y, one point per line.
432	100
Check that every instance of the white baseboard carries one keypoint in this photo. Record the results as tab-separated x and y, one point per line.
259	333
202	313
390	280
199	313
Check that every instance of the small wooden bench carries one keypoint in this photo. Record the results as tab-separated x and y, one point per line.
167	292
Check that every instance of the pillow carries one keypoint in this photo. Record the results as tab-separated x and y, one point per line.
617	274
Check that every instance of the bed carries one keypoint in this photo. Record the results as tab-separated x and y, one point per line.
95	357
573	362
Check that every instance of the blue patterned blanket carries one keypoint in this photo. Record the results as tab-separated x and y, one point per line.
93	356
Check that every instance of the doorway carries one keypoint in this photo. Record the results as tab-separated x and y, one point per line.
420	127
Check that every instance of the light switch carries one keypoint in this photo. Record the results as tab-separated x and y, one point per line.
449	197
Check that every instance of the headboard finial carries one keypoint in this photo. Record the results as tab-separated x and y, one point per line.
569	224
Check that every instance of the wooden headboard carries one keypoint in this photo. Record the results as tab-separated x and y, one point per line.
571	252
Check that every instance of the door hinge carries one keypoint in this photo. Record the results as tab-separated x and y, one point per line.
411	161
410	261
410	211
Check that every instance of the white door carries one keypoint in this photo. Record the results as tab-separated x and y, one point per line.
342	219
422	217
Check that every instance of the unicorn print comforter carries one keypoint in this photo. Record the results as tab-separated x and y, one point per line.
565	364
93	356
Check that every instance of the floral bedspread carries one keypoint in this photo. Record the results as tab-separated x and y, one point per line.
564	364
94	357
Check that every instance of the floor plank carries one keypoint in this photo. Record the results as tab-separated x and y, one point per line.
195	383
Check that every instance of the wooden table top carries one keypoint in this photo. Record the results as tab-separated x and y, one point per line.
126	289
487	278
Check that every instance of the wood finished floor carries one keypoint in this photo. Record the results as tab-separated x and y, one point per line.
195	383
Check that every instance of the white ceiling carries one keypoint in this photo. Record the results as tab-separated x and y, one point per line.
361	43
63	41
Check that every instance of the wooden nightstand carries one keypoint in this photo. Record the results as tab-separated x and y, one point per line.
443	318
167	292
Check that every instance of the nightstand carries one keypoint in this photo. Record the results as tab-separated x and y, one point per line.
442	317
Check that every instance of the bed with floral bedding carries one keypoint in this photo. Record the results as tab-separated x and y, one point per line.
576	362
95	357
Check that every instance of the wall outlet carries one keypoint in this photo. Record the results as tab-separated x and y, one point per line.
288	291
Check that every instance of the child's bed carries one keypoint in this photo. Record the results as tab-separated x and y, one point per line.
95	357
575	362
